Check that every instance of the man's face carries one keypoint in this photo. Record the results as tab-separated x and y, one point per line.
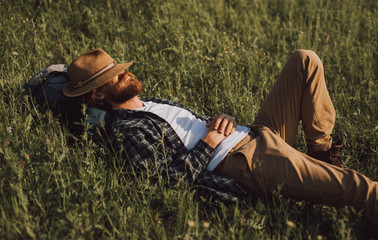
122	88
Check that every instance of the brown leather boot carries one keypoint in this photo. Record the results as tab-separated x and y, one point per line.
332	156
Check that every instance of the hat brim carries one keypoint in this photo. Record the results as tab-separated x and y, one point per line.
70	91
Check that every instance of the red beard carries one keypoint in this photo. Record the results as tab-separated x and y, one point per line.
127	88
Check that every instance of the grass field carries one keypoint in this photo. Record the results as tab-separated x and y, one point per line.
211	55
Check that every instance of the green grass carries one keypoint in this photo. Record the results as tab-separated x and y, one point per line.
214	56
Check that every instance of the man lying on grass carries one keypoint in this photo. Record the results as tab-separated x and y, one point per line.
230	160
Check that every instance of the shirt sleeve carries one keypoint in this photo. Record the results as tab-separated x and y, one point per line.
192	162
146	148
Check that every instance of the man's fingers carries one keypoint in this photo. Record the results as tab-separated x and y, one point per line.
210	123
223	125
231	127
217	122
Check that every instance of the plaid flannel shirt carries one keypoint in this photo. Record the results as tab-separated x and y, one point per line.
148	141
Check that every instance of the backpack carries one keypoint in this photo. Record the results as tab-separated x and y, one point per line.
46	88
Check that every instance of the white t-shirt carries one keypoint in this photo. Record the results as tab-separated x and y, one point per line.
191	129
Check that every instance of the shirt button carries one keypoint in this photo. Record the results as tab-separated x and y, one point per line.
178	141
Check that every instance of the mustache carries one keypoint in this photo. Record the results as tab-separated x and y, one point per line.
126	89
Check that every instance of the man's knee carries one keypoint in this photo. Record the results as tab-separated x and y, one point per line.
307	57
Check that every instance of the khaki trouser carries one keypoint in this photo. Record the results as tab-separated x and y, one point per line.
268	160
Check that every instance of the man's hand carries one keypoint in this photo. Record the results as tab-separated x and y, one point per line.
219	128
223	123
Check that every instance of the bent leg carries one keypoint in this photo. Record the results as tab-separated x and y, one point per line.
275	163
300	93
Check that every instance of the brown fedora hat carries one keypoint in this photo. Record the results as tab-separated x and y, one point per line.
91	70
